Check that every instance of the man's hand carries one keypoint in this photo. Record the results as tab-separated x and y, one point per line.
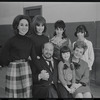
43	75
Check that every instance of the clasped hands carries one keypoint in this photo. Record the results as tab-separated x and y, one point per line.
73	87
44	75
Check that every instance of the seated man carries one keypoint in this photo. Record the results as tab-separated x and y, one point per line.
45	81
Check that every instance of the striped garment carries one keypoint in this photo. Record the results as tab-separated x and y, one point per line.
18	80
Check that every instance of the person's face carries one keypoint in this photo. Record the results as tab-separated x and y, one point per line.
40	28
78	52
23	26
59	31
48	51
80	35
66	56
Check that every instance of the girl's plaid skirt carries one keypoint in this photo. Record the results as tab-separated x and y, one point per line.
18	80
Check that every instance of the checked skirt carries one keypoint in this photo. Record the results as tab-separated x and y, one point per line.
18	80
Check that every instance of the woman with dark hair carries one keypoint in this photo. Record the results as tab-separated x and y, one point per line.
81	34
60	39
81	86
38	28
15	55
66	73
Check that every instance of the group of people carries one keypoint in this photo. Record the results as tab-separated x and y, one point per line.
40	67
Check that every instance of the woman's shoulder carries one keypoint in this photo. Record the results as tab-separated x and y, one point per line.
67	39
82	62
11	39
88	41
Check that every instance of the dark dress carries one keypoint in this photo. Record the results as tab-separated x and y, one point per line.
38	41
43	88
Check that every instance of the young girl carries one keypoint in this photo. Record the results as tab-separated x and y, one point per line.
15	54
60	39
66	73
82	88
38	29
81	34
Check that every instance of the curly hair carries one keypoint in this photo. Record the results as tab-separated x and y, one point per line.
80	44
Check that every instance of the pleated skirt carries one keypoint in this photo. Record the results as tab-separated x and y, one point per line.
18	80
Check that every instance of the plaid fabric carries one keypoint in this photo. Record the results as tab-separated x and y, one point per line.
18	80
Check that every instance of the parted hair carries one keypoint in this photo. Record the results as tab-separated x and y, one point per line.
36	21
81	28
16	21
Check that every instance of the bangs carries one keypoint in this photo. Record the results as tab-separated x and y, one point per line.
81	30
65	49
40	23
59	26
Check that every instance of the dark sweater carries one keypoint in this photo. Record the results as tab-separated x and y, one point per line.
17	47
38	41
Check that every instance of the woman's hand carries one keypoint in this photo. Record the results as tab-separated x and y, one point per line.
75	85
68	89
72	90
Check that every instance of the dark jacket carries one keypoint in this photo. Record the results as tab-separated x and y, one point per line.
41	87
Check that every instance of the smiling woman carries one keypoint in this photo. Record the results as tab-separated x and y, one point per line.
15	54
23	27
81	86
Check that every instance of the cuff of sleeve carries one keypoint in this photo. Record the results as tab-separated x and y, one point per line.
39	77
83	84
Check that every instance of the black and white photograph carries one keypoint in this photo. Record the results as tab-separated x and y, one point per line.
49	50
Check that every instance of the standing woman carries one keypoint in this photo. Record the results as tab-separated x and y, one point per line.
38	28
15	54
60	39
81	34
